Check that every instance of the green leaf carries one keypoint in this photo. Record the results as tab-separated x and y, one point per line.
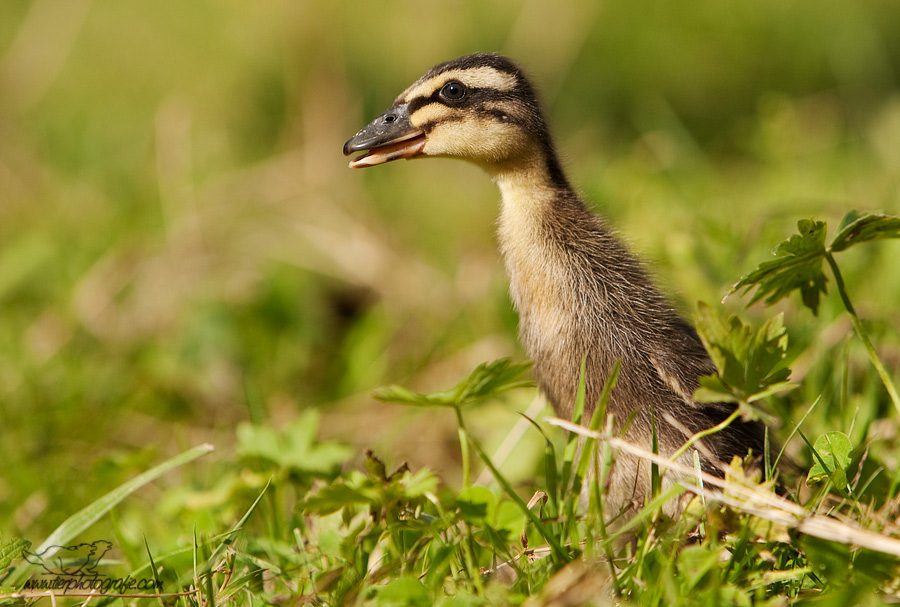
417	484
491	379
833	449
402	396
403	592
476	504
751	363
486	381
335	496
11	550
362	489
864	228
713	390
798	265
294	447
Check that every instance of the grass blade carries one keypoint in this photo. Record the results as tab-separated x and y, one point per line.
228	537
87	516
555	546
572	443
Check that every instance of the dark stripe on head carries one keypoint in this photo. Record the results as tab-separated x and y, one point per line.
474	97
497	62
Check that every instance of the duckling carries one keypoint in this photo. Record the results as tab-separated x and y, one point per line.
580	294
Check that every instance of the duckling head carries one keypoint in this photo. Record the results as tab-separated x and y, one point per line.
480	108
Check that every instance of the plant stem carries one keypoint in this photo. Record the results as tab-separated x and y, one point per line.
463	446
720	426
602	476
561	554
862	334
471	563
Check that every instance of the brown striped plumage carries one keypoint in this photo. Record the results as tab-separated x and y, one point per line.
579	293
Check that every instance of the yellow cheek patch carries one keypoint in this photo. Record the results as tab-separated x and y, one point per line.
433	112
480	139
475	77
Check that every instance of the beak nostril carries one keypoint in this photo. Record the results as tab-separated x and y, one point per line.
389	118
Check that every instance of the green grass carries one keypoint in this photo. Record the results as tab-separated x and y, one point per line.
185	259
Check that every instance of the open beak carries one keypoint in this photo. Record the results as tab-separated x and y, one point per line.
388	137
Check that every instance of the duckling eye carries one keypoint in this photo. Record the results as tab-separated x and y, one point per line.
454	91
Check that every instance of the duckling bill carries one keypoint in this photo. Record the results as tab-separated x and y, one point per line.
579	293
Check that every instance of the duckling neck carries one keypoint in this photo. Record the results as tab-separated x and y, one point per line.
527	198
537	208
540	221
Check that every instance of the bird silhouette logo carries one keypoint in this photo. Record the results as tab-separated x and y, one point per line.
78	560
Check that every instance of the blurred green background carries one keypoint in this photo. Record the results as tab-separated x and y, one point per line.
183	248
